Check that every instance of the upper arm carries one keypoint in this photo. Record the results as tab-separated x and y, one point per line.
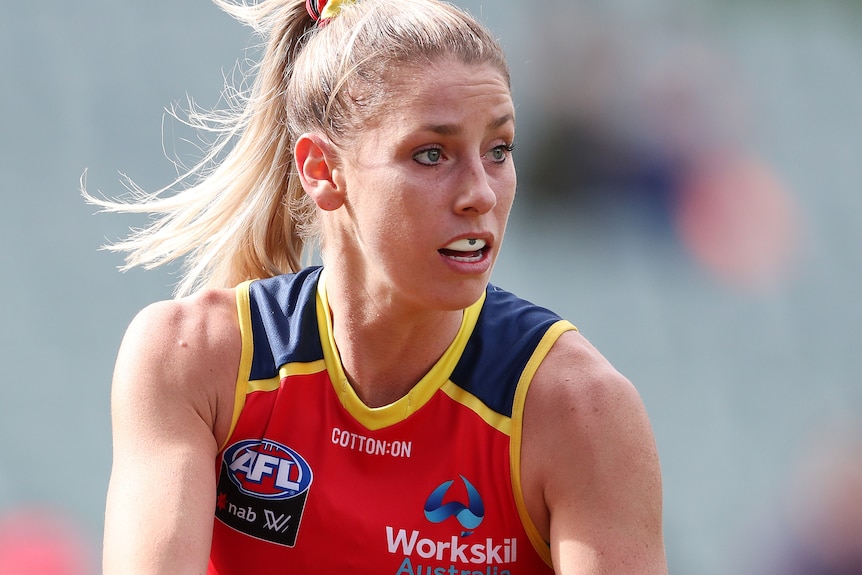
170	400
589	455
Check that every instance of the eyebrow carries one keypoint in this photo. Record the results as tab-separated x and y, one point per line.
456	129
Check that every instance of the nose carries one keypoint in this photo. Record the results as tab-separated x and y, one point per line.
476	192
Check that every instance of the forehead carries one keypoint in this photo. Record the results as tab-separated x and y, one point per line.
445	91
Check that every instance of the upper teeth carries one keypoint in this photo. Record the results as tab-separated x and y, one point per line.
466	245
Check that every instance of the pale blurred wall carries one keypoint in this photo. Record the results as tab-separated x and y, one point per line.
735	379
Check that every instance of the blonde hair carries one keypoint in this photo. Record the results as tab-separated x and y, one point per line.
241	212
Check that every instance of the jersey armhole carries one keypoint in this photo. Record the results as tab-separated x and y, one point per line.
541	546
243	310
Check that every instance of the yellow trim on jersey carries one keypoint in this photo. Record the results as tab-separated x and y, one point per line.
496	420
243	311
374	418
270	384
548	340
287	370
309	368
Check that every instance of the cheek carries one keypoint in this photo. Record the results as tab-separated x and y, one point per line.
506	186
386	219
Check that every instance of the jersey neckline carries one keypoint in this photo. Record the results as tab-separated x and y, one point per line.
374	418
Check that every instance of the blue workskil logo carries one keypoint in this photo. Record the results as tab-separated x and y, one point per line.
469	516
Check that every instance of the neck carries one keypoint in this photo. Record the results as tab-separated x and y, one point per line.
386	350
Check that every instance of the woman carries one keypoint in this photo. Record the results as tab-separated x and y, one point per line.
390	412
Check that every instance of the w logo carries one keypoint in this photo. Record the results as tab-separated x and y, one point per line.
469	516
280	523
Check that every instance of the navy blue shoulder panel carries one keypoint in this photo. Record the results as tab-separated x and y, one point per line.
505	337
284	322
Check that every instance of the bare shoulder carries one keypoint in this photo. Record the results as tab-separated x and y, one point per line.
171	406
205	319
576	383
185	350
590	465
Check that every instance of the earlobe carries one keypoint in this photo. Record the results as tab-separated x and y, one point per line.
315	164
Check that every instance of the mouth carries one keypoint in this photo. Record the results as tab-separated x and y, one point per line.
466	250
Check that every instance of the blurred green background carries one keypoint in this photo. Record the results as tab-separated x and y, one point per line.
690	178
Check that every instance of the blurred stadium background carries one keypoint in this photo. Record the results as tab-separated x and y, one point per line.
690	178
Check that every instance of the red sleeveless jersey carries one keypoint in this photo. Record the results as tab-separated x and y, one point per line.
312	481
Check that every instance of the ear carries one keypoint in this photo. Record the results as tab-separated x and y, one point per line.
315	162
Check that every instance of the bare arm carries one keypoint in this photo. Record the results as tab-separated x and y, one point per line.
591	470
171	403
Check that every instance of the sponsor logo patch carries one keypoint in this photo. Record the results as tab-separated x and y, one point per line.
469	516
467	554
262	489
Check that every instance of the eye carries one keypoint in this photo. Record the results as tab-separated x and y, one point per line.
429	156
499	153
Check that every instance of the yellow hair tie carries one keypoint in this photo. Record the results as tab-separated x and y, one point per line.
332	9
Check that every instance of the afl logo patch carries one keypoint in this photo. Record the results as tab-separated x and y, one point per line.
262	489
267	469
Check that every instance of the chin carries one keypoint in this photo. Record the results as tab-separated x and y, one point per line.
463	296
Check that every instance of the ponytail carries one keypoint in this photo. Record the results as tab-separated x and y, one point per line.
241	212
247	217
